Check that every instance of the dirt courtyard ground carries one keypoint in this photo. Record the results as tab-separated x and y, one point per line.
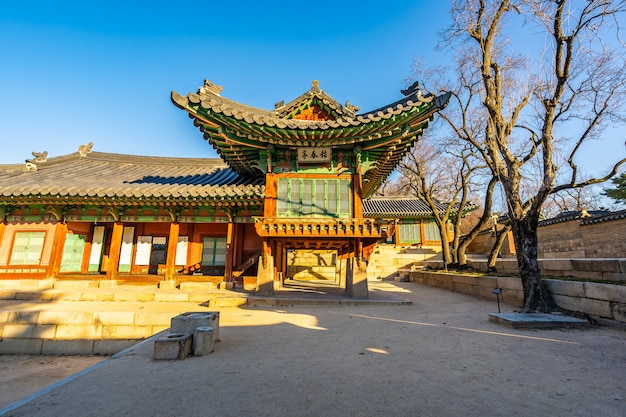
439	356
23	375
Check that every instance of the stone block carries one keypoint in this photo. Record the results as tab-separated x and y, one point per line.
197	286
133	297
227	302
126	332
226	285
188	322
21	346
15	317
71	332
97	296
152	318
512	297
32	295
463	279
9	283
171	297
567	303
114	318
75	284
510	283
67	347
463	288
608	292
7	295
36	284
568	288
596	307
555	264
65	317
28	331
599	265
169	284
619	312
203	341
107	284
173	346
199	297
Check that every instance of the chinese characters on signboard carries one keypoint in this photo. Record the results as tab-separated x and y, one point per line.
314	155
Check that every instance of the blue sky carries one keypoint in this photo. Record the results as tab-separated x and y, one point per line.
74	72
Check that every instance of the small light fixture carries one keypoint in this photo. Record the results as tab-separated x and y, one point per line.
497	292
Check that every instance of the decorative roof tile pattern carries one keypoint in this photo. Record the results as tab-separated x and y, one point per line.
99	175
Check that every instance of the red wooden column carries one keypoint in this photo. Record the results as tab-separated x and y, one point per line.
357	196
170	261
271	192
115	250
60	230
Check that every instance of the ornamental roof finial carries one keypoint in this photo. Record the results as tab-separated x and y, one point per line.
210	87
315	86
83	150
38	157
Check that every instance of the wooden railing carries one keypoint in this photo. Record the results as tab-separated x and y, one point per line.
326	227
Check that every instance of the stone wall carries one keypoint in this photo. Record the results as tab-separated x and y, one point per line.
601	300
575	236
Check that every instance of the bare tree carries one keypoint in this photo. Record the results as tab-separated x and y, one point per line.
537	113
442	179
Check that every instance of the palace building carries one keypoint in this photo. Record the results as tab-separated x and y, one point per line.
293	182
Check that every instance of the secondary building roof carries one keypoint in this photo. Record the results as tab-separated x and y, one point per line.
82	177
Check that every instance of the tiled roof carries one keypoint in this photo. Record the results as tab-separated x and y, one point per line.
239	132
215	103
604	216
99	175
585	216
397	207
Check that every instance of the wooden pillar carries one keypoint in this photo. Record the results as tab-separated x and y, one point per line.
228	269
115	250
356	275
3	227
265	275
357	196
271	192
170	261
60	230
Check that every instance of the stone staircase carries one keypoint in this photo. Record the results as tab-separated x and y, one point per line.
60	317
312	265
395	262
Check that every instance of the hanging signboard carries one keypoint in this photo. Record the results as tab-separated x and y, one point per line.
313	155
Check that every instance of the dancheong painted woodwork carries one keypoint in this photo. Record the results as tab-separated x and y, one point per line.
299	177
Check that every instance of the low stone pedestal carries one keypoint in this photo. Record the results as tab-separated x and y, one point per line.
536	320
188	322
173	346
193	333
203	341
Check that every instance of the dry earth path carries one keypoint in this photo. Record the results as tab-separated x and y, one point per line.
439	356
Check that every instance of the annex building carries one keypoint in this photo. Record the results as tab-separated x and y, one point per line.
291	183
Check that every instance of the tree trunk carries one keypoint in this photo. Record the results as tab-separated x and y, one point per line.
497	246
536	296
445	249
